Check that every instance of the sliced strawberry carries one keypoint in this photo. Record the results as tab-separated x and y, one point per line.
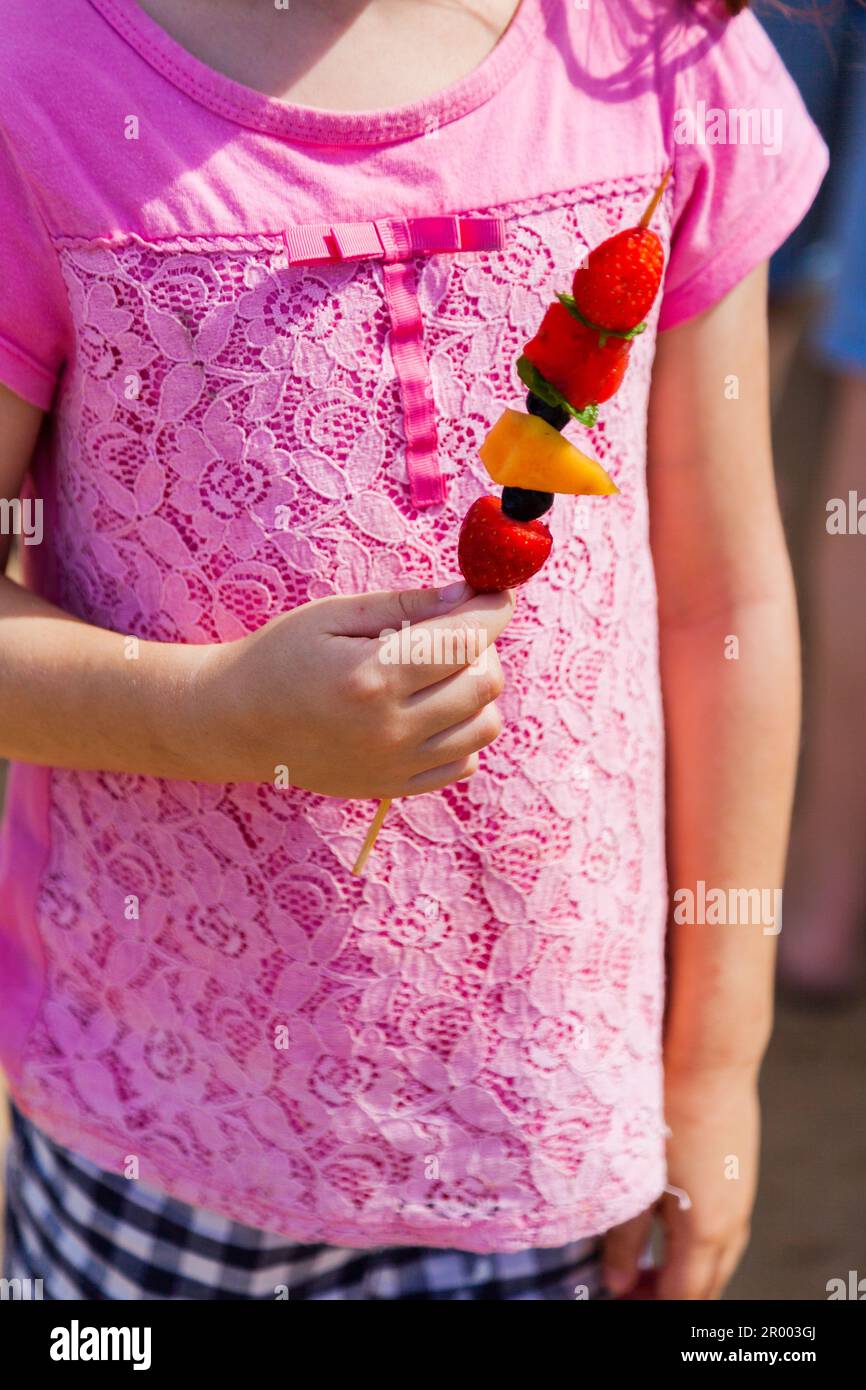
556	343
496	552
597	373
570	356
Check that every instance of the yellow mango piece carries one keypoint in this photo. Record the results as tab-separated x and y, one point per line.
525	451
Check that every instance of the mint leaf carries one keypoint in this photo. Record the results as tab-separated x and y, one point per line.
541	387
603	333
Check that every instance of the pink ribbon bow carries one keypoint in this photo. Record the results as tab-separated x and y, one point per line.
394	241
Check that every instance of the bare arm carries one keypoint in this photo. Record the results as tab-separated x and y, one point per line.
730	677
731	708
307	692
70	695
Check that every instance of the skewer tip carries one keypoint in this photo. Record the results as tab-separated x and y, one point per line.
370	838
656	199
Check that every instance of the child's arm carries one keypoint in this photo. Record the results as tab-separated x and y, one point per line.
730	675
68	695
308	691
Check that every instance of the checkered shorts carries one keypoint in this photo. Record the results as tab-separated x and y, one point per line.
88	1234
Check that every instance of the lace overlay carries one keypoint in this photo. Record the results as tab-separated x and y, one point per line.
462	1048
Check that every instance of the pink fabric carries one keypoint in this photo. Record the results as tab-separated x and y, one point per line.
472	1032
410	363
395	241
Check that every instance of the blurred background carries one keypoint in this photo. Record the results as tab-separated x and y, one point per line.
810	1222
811	1212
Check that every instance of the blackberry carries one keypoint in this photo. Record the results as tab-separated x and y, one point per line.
553	414
522	504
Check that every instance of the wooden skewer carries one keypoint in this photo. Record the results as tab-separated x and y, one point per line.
656	199
382	809
370	840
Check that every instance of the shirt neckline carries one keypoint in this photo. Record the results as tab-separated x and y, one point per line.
316	125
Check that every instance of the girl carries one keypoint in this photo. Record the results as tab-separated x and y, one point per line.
266	271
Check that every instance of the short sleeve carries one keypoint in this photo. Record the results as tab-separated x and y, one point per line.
748	162
34	314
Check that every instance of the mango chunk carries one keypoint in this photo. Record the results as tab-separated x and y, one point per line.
525	451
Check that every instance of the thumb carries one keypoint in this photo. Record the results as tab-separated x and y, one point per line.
622	1248
366	615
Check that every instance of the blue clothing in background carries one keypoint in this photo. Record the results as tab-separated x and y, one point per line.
824	48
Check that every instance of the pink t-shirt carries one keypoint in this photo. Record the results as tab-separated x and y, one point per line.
203	284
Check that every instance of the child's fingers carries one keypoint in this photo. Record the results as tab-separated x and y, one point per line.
438	777
430	651
367	615
419	636
697	1264
622	1248
698	1267
731	1257
456	698
690	1270
470	736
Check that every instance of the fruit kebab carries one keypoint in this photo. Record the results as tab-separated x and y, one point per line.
575	363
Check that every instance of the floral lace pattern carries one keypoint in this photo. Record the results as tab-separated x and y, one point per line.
461	1048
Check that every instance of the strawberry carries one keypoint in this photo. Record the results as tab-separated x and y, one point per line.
615	287
595	375
570	357
617	284
555	342
496	552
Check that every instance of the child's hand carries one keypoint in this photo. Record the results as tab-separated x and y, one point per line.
714	1119
317	690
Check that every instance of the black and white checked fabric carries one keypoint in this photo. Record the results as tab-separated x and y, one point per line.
88	1234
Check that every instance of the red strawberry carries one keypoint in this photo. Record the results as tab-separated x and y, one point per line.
616	286
619	280
496	552
570	357
596	374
